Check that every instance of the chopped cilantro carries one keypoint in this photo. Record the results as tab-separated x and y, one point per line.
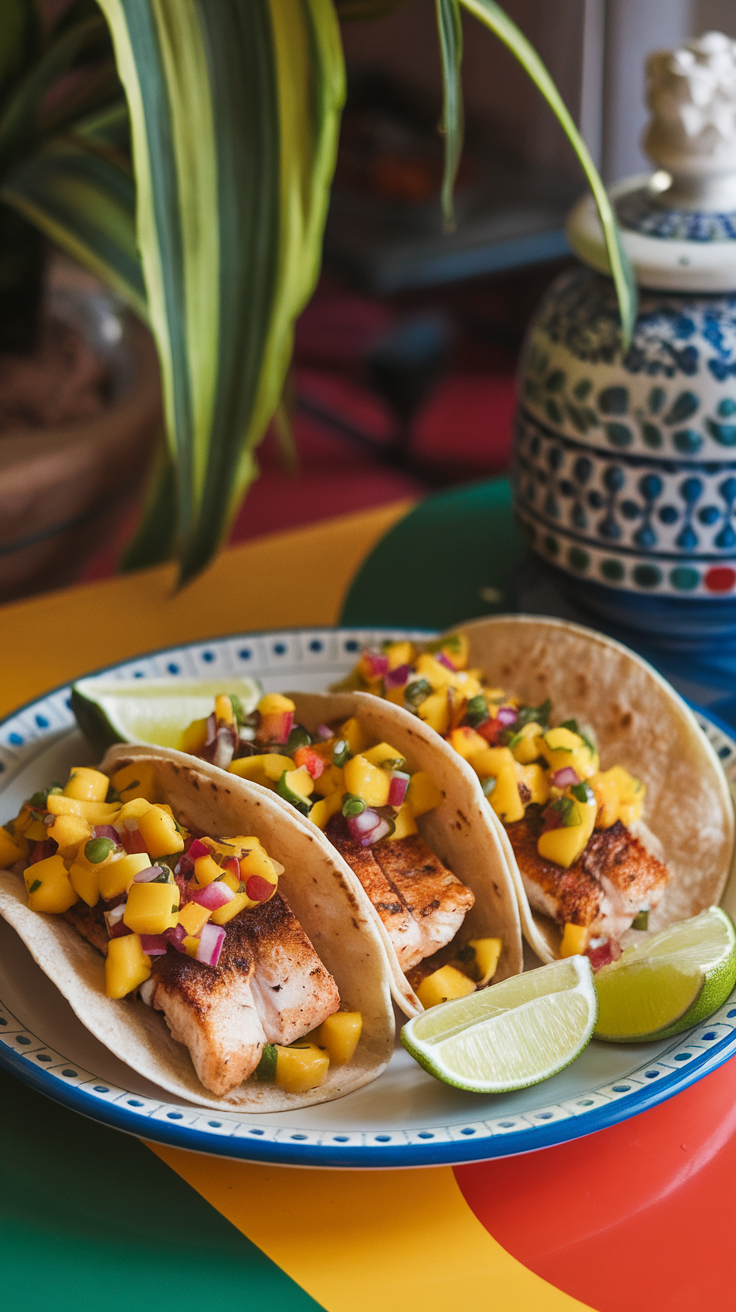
574	727
583	792
35	885
476	711
534	715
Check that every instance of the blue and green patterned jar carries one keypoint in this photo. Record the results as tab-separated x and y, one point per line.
625	463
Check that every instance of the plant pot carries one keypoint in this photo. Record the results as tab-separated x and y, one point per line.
65	488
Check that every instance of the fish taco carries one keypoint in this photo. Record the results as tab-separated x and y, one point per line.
407	827
611	805
199	932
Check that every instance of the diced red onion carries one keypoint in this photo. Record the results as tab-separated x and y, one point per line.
184	866
211	729
119	930
197	849
107	831
175	936
154	945
383	829
397	678
210	944
324	732
132	838
145	876
258	889
397	788
114	917
565	778
43	849
375	664
507	715
444	659
362	825
604	954
217	894
226	741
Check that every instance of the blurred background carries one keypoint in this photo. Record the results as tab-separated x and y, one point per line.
403	380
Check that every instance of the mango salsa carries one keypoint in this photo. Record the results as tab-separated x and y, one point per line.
445	983
151	908
48	885
87	785
340	1035
126	966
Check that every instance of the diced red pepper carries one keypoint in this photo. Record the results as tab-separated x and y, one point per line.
313	761
232	866
604	954
132	840
491	730
43	849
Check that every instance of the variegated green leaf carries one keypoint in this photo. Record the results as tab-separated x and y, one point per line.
450	28
83	197
494	17
234	112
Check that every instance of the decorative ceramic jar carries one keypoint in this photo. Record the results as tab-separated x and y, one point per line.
625	471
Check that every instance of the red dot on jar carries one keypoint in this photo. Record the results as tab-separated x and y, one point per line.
720	579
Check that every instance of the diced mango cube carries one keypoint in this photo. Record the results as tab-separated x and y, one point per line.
159	833
498	763
274	703
340	1035
258	862
330	781
48	886
405	824
619	796
564	845
265	769
224	709
381	753
443	984
536	780
70	832
355	735
84	879
151	908
366	781
239	903
117	874
399	653
323	811
302	1066
423	793
436	711
528	743
86	785
575	940
206	870
137	780
97	813
36	831
435	672
10	850
487	953
193	917
466	741
126	965
193	738
299	781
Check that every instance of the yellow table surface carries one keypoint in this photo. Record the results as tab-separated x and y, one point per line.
353	1240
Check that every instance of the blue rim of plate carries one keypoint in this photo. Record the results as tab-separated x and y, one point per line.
689	1058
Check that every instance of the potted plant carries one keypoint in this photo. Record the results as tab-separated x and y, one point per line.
193	176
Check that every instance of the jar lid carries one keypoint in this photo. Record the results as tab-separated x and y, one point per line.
678	225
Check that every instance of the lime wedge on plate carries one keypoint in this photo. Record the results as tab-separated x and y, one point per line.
510	1035
673	981
151	710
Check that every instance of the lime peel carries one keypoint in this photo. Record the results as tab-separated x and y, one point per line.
511	1035
675	980
151	711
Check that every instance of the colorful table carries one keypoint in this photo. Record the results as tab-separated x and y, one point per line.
638	1216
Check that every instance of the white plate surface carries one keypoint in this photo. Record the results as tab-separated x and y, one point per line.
405	1118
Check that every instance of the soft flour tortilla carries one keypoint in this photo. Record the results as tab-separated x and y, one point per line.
315	887
456	830
638	722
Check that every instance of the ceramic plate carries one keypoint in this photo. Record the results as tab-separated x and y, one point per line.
405	1118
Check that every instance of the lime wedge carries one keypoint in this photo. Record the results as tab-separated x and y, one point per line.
151	710
510	1035
676	979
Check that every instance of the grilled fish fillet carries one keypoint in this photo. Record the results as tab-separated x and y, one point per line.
269	987
614	879
421	903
